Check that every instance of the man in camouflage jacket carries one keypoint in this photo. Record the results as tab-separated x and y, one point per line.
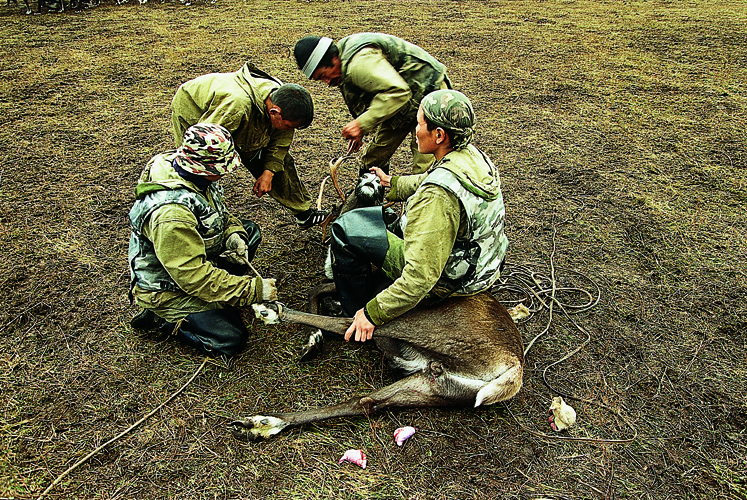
187	253
382	79
261	113
450	239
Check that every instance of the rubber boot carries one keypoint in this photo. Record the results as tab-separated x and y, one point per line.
355	289
255	236
218	332
359	239
145	320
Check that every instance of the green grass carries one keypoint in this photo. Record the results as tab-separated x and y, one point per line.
619	131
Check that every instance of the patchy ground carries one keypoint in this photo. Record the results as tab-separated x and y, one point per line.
619	130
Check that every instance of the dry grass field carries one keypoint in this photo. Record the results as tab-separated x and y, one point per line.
619	131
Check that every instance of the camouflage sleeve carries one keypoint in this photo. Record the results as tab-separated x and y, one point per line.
370	71
277	149
432	227
181	250
235	226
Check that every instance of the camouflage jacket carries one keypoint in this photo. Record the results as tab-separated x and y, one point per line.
236	101
390	83
453	230
175	230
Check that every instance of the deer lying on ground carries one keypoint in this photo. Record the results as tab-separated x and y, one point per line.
463	351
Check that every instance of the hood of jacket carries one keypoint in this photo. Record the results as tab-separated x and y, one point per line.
257	84
474	170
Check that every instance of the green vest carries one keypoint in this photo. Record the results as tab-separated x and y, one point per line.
146	270
422	72
475	260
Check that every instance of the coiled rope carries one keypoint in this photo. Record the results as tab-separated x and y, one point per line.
529	284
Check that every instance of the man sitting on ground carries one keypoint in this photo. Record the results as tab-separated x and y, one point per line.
450	239
188	254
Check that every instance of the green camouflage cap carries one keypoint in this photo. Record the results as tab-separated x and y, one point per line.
451	110
207	149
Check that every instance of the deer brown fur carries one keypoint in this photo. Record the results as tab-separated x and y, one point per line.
463	351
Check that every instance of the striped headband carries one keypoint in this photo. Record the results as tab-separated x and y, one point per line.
313	61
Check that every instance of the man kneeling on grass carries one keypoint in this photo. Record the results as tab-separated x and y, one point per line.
187	254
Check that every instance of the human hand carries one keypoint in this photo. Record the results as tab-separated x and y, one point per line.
237	252
362	328
352	131
384	178
263	184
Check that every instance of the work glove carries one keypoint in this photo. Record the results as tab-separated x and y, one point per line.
267	291
236	250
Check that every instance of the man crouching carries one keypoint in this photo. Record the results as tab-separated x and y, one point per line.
187	254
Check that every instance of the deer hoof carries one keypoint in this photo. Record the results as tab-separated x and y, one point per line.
257	427
313	348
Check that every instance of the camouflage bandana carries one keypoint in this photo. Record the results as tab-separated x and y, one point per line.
207	150
451	110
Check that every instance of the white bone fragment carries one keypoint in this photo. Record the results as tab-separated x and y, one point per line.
518	312
562	416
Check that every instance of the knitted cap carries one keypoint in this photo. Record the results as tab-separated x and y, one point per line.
308	51
207	149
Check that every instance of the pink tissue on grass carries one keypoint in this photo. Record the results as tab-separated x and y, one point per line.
356	457
402	434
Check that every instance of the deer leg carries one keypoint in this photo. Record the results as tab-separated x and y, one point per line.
314	345
312	348
418	390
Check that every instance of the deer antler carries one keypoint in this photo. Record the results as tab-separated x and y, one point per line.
321	190
333	167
